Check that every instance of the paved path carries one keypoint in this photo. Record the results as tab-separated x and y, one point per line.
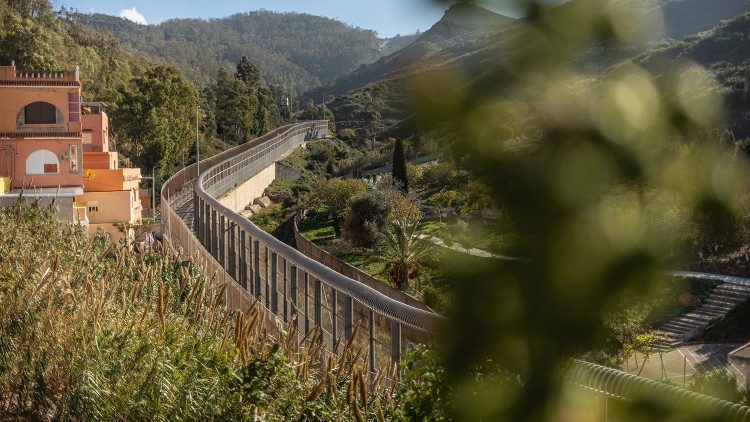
470	251
680	364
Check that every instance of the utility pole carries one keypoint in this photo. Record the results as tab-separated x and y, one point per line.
153	193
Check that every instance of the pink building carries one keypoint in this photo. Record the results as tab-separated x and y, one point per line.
54	147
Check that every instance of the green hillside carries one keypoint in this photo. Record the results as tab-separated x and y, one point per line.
385	102
461	23
297	50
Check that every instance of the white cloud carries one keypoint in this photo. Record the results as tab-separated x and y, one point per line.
132	14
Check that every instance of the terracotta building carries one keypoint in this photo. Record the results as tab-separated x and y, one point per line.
54	147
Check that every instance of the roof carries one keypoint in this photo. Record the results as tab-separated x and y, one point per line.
61	192
39	135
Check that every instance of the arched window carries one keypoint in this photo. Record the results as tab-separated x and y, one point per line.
42	162
40	113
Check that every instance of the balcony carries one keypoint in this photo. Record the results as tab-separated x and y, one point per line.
106	180
80	215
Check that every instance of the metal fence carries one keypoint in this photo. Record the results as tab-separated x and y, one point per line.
301	293
297	291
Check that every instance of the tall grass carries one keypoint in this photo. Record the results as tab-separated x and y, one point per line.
90	331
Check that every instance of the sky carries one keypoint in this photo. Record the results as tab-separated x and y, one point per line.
388	18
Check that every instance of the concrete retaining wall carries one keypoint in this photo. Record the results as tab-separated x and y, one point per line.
244	194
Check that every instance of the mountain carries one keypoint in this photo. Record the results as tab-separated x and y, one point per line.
685	17
461	23
725	50
383	101
299	51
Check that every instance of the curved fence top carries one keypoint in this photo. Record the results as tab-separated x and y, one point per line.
374	300
626	386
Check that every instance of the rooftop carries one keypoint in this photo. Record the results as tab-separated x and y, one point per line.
61	192
10	76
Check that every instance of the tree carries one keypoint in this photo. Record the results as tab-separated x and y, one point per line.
477	197
367	217
400	177
443	201
231	108
247	73
402	252
334	195
157	115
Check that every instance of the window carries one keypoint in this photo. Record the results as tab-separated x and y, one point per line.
87	137
74	159
92	206
40	113
42	162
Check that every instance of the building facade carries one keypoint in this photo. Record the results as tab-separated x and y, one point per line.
54	147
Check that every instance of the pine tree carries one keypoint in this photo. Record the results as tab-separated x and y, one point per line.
248	73
400	179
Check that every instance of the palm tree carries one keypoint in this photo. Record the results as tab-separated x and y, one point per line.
402	252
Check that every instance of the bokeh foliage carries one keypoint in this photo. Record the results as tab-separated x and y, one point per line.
604	179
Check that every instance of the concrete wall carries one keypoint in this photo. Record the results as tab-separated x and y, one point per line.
244	194
64	205
15	98
15	153
114	207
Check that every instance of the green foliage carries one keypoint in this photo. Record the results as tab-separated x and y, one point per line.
441	175
400	175
425	392
244	108
298	51
717	383
158	117
92	331
402	252
589	172
334	195
367	216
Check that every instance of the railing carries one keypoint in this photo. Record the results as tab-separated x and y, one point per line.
304	295
301	293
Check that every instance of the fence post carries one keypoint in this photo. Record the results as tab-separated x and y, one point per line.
274	283
212	238
348	317
395	342
265	279
371	321
334	321
293	294
307	310
318	304
243	258
222	241
256	269
284	289
232	258
196	212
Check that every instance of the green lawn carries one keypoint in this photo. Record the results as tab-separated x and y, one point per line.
433	286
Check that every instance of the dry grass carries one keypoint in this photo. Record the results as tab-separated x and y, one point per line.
90	331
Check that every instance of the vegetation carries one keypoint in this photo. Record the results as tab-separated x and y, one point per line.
244	107
402	253
400	179
156	116
294	50
91	331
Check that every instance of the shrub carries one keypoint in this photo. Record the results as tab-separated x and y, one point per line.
367	216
